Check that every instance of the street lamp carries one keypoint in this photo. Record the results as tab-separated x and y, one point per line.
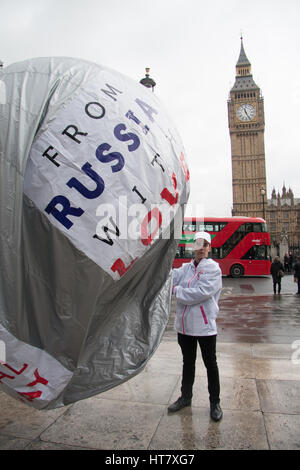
263	192
148	81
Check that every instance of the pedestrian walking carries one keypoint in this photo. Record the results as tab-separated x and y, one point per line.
286	262
277	273
197	286
291	262
297	273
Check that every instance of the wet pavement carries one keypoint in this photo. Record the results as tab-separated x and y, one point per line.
259	361
260	319
250	312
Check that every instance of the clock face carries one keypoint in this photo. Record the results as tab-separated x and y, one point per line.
245	112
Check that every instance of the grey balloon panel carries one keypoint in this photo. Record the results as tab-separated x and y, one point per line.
71	326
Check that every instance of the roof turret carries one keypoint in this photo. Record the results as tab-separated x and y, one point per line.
243	79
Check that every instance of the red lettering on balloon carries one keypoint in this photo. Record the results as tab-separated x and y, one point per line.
146	237
3	376
30	395
17	372
39	380
120	267
168	196
184	167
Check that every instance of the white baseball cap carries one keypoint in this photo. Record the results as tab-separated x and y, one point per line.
198	239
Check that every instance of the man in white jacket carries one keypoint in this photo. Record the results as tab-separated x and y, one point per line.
197	287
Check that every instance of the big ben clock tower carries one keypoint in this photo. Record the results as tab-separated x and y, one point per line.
246	127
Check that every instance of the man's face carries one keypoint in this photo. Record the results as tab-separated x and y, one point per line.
204	249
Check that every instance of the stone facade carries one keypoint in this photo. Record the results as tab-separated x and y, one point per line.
283	219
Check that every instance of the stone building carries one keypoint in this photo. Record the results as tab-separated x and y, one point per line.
283	219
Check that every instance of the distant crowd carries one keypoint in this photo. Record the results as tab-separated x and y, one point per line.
288	262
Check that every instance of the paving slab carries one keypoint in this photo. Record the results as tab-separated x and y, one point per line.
242	350
192	428
280	396
12	443
283	431
236	393
280	369
147	387
236	366
42	446
99	423
20	420
272	351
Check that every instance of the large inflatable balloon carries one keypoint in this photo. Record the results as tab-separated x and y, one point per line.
93	185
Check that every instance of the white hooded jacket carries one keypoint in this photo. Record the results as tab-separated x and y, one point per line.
197	290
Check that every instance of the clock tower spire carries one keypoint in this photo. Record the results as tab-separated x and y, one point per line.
246	128
243	66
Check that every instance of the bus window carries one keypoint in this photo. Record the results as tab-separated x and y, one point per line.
215	253
257	252
200	227
231	243
177	254
261	252
257	227
218	227
184	252
246	228
189	227
264	228
188	253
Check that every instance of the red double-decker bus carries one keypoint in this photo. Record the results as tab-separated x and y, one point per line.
241	245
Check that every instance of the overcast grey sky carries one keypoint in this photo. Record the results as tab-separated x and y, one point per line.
192	47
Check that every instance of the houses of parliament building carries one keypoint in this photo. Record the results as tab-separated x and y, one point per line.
246	127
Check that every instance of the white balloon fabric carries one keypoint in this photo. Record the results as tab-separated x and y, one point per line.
93	186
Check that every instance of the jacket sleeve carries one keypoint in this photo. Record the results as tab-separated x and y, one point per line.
177	275
208	285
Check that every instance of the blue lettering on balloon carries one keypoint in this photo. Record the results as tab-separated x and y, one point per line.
147	109
110	157
104	157
125	137
74	183
61	216
131	115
